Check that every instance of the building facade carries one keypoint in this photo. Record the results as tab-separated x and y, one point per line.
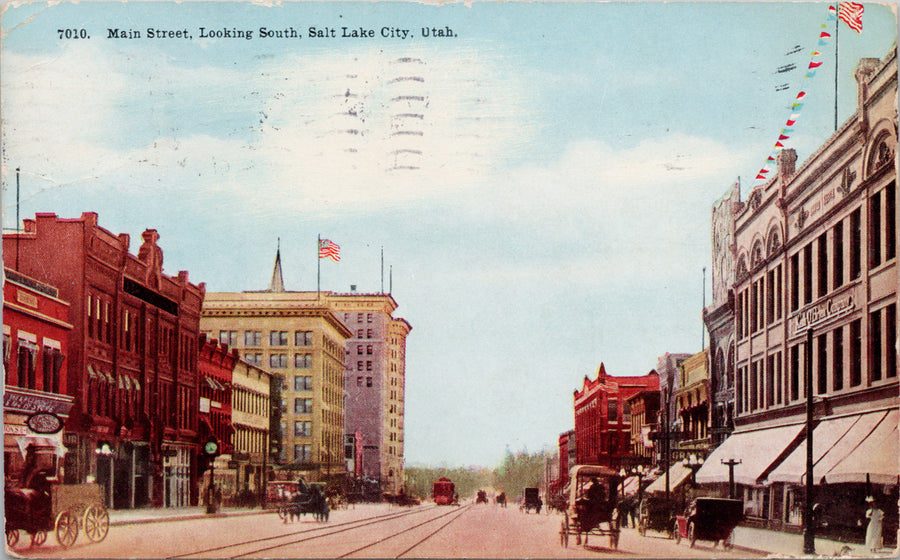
296	337
719	317
644	414
816	307
250	416
35	348
132	364
692	399
375	383
603	417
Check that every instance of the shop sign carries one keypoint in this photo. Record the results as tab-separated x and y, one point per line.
818	314
14	430
29	402
44	423
204	404
70	440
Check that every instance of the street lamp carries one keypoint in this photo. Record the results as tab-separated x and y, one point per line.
694	463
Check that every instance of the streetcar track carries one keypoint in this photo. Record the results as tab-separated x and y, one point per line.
407	530
358	522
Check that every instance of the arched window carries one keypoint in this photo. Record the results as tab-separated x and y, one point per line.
774	242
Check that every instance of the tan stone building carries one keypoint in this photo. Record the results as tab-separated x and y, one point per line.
296	337
693	405
816	299
250	408
375	383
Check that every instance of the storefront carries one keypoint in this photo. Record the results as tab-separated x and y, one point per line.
35	419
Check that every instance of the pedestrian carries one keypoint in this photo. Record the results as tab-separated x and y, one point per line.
873	531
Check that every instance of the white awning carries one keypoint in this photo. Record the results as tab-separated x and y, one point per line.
827	433
52	441
875	456
678	474
756	450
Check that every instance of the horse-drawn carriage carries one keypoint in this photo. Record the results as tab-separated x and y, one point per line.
44	505
481	497
309	498
592	501
532	501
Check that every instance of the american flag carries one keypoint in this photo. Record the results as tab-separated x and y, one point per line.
329	250
851	13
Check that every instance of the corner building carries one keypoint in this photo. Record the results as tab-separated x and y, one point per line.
816	306
296	337
132	363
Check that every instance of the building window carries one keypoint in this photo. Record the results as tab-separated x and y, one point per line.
822	365
302	383
254	358
278	361
368	381
807	274
303	406
837	257
875	230
27	355
7	345
370	333
837	359
303	338
855	245
855	353
359	381
795	372
368	317
359	350
369	349
252	338
302	428
890	334
613	410
890	221
795	281
875	345
278	338
52	363
359	317
303	453
228	337
302	361
368	366
822	268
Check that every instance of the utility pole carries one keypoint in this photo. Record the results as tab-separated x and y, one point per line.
730	463
809	532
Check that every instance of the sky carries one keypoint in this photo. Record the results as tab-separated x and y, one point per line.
540	181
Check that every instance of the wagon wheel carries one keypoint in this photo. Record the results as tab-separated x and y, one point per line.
728	542
692	533
66	528
12	537
677	532
96	523
282	513
38	538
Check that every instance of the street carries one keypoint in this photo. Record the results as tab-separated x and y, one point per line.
370	531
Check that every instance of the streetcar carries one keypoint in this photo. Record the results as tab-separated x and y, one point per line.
443	492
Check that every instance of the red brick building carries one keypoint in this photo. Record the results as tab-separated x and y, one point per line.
216	365
603	417
35	346
132	364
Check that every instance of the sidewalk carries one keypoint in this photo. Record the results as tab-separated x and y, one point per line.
157	515
789	545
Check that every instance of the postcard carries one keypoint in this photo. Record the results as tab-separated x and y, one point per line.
303	279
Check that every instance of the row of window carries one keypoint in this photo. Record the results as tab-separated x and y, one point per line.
280	361
253	339
29	361
249	440
359	317
251	403
836	363
101	323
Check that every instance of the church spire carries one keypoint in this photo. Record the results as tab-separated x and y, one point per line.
277	284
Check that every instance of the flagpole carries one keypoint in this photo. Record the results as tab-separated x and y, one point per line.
318	266
837	25
382	269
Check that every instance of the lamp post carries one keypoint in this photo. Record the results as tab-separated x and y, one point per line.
694	463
